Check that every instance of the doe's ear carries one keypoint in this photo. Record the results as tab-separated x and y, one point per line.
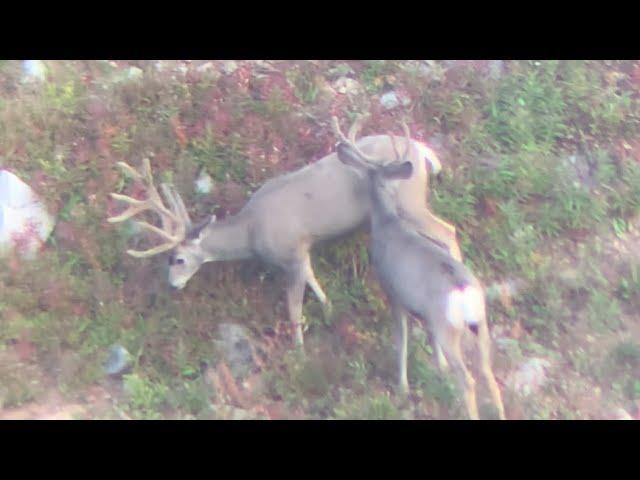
348	156
397	171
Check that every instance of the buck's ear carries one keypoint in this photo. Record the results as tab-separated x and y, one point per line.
195	232
348	156
397	171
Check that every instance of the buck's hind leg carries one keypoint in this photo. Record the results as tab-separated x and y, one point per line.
312	281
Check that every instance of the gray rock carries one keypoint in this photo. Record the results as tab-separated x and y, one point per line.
134	73
530	377
509	288
340	70
229	66
119	360
237	347
507	344
347	86
496	69
391	100
429	70
580	168
229	412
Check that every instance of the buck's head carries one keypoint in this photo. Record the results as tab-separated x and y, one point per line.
181	238
187	257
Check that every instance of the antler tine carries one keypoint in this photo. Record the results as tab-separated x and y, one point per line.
152	251
146	167
355	128
163	247
174	220
136	206
152	228
351	141
395	147
407	134
129	169
335	126
177	204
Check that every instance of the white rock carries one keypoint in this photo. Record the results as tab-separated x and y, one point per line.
34	70
204	183
24	221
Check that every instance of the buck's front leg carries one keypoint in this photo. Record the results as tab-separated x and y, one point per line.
327	308
295	296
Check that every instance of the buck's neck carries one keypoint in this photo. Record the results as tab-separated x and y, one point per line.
227	239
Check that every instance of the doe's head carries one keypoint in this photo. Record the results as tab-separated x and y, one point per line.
379	172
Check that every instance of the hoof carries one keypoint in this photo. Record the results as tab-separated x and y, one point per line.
327	310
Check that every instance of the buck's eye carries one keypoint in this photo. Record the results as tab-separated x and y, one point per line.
175	261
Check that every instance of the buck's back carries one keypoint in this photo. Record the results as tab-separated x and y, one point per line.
328	199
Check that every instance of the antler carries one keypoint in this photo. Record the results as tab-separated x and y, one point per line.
175	219
355	128
407	134
351	141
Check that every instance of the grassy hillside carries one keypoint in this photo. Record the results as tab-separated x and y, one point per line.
541	176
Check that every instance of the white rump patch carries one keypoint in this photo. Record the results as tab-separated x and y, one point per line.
429	156
464	307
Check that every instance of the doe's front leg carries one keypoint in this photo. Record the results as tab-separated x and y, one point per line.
402	344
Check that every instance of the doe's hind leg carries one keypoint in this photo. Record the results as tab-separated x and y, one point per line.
451	342
484	348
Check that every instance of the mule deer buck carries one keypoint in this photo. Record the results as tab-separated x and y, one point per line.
284	219
420	276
